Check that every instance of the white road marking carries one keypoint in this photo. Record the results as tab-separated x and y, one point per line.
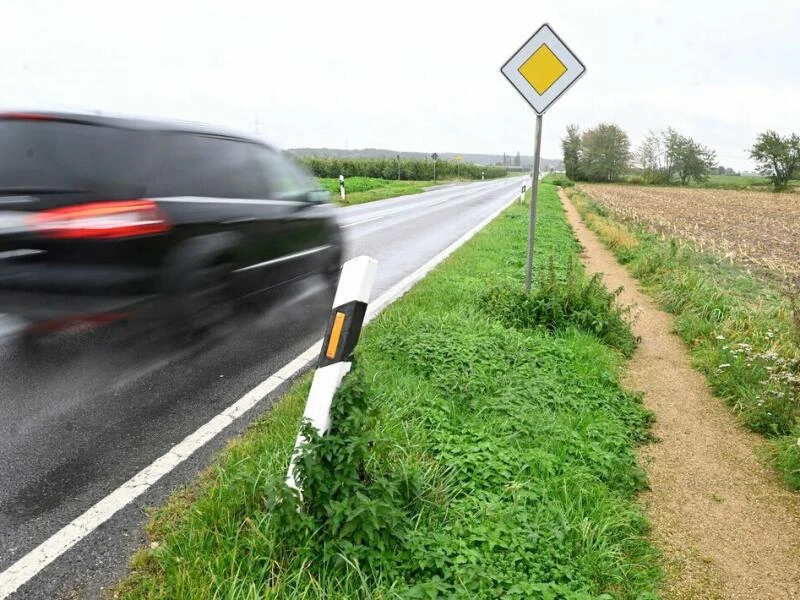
40	557
362	221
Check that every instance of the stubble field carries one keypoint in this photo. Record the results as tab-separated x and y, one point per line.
755	229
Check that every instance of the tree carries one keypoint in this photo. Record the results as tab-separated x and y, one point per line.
777	157
650	157
606	152
686	158
694	161
672	141
571	145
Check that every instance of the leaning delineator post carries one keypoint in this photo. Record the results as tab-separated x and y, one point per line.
336	356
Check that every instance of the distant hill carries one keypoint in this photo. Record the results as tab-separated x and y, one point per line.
479	159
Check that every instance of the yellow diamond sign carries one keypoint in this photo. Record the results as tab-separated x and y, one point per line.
542	69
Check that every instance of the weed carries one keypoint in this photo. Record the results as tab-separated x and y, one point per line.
560	302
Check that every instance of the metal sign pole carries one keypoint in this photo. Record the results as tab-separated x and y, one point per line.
534	194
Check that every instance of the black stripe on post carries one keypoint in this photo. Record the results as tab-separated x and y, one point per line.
353	315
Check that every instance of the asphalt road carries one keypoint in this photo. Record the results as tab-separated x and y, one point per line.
77	421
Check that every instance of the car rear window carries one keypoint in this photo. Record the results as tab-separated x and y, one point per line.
42	155
116	162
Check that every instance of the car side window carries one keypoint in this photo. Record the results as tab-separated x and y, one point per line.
209	166
285	181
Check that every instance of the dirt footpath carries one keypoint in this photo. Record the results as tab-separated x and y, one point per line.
726	524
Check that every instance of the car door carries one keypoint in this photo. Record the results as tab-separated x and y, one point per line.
304	223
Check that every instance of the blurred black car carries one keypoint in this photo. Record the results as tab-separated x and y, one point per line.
102	219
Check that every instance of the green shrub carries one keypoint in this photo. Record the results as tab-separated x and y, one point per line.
387	168
557	303
559	179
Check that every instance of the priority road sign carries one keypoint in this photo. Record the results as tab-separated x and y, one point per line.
543	69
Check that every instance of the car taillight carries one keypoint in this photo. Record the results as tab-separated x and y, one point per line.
102	220
19	116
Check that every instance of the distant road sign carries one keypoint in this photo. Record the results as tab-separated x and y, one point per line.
543	69
435	156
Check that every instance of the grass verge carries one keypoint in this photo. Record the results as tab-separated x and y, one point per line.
369	189
482	448
743	332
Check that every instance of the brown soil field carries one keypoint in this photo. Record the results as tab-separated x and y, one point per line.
755	229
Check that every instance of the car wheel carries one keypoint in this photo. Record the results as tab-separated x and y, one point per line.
204	307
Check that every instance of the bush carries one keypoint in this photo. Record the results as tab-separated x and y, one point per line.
560	180
410	170
557	304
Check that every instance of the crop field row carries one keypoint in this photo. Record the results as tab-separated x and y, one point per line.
755	229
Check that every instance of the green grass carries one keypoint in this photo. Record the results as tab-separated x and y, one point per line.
369	189
476	453
740	328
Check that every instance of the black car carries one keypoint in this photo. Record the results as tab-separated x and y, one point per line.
103	218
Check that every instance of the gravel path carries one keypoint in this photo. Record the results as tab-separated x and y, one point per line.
726	524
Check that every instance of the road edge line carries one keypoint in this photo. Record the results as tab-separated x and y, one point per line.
33	562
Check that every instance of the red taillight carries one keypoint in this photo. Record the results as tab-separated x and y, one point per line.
102	220
25	116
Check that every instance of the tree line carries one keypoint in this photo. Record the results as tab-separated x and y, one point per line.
391	168
604	153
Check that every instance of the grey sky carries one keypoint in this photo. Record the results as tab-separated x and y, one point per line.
411	75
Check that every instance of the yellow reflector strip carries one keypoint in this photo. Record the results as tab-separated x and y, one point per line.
336	335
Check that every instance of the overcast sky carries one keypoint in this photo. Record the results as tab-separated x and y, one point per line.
411	75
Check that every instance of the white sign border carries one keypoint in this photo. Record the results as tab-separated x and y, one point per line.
543	35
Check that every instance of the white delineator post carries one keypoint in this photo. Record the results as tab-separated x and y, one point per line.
341	187
336	357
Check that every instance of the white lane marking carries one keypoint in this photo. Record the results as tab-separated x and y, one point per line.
40	557
362	221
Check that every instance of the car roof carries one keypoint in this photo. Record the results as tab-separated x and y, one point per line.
145	124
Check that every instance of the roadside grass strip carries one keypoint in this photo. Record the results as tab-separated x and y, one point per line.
369	189
742	329
482	447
